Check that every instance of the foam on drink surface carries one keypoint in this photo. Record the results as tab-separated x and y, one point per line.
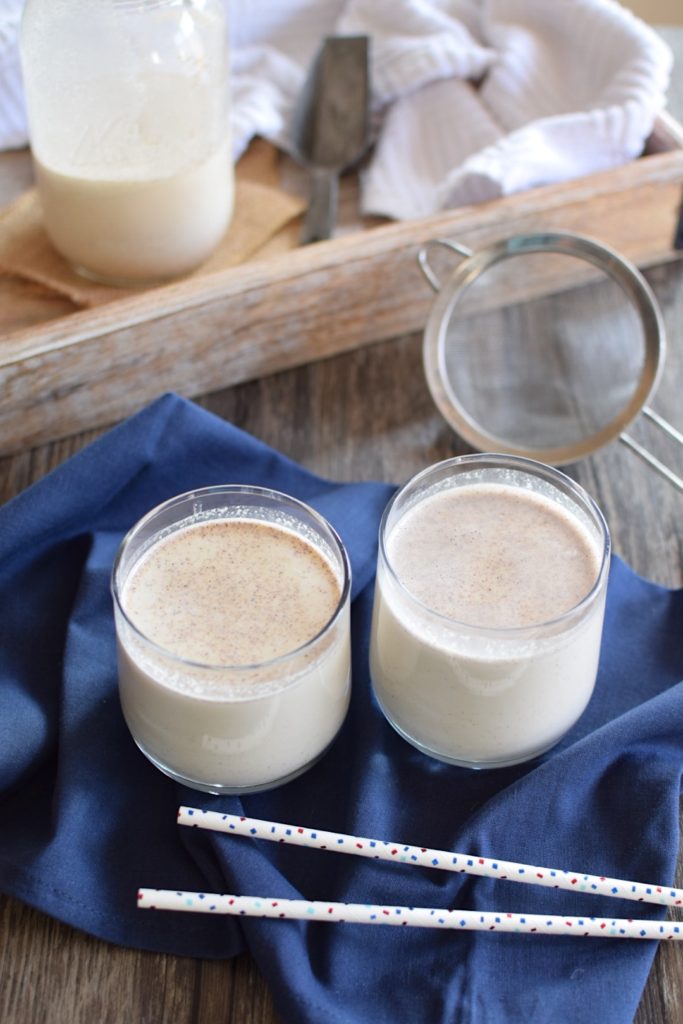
231	592
236	671
493	555
474	657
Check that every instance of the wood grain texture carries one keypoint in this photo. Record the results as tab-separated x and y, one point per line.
363	414
95	366
52	974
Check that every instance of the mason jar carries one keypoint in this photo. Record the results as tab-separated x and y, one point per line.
128	107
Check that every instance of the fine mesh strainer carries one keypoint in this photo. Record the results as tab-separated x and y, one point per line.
544	345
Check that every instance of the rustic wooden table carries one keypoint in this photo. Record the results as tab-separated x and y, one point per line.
363	415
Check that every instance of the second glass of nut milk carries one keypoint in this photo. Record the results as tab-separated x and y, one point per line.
128	107
489	602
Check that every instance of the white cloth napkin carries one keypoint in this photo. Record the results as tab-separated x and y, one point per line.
473	99
573	86
13	132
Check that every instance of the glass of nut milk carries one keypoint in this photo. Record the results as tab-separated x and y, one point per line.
128	107
231	607
489	602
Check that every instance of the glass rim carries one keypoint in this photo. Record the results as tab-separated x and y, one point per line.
239	669
531	468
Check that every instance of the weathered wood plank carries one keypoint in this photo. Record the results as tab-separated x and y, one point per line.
199	335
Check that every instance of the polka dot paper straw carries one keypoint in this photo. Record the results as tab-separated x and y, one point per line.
413	917
470	864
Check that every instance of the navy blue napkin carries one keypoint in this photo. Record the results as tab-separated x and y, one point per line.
86	820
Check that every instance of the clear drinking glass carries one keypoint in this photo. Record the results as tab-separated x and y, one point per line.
128	107
501	677
259	722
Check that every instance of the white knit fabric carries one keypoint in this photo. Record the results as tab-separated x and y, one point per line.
414	42
575	87
473	99
12	113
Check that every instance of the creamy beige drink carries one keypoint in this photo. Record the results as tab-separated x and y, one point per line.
131	229
488	614
233	635
128	106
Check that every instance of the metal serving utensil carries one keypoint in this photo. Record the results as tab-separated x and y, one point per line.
330	129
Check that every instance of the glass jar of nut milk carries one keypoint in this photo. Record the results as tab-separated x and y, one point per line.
128	106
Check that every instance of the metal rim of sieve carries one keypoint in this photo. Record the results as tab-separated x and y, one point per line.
475	263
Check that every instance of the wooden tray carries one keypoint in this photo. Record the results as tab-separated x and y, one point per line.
79	370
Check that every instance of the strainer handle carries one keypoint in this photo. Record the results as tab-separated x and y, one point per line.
647	456
423	259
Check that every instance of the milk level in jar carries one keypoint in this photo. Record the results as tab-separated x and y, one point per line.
239	593
128	109
458	663
130	230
